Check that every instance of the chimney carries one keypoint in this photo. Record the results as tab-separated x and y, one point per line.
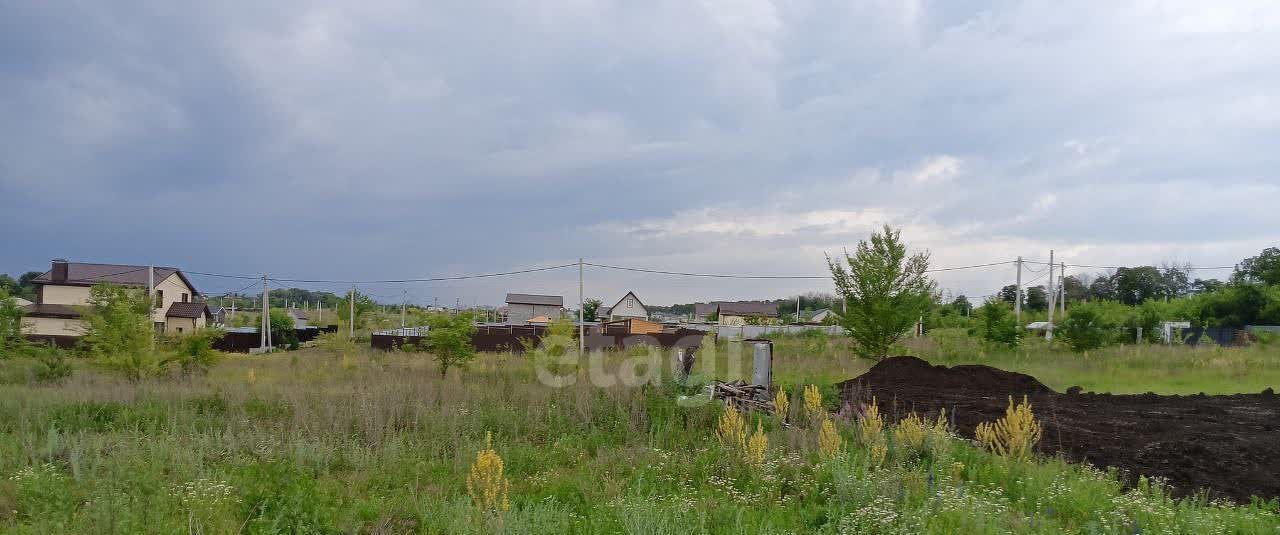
59	273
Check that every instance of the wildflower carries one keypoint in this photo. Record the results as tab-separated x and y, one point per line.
731	429
812	402
829	441
486	484
957	469
939	436
910	433
1014	435
781	404
871	425
753	454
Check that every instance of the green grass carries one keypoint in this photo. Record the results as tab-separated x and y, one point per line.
378	443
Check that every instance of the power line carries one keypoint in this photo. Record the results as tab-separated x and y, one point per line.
771	277
427	279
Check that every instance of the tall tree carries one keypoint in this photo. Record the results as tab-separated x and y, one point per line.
887	291
1103	288
1037	299
589	309
1133	285
1175	280
1076	288
1264	268
1010	293
961	304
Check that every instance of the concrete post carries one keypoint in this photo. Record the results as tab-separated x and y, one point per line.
762	367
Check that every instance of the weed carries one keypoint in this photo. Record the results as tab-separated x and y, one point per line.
486	483
1014	435
753	453
830	443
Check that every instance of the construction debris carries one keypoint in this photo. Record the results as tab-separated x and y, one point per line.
743	396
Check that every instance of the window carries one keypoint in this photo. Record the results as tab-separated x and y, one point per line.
179	330
159	298
184	297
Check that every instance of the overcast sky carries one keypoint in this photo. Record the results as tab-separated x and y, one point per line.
386	139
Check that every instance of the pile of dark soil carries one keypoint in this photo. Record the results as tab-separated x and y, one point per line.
1227	445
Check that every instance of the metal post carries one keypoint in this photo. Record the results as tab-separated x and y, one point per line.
1048	333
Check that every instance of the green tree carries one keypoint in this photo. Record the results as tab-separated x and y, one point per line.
449	340
1264	268
364	305
1009	294
998	324
11	339
1137	284
589	309
887	291
282	331
119	332
1085	328
1037	299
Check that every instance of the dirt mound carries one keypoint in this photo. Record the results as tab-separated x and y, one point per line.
1225	444
911	371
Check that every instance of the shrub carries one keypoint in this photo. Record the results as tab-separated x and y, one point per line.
194	353
51	366
998	323
11	339
1014	435
1084	329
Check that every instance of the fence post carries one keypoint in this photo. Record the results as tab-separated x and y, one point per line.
762	367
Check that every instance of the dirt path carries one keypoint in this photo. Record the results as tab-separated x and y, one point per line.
1229	445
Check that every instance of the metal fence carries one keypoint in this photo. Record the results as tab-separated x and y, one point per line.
744	332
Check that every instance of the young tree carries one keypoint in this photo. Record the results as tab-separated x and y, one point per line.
283	333
887	291
589	309
11	340
364	305
1084	329
194	353
1009	294
998	324
119	331
449	340
1037	299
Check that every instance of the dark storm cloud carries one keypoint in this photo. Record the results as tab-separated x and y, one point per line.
397	139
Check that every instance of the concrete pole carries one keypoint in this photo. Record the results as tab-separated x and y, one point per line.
582	328
404	298
264	336
1048	333
151	304
1017	299
1062	292
351	318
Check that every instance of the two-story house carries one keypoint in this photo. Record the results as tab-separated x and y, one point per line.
64	290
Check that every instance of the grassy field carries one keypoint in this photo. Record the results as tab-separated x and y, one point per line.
322	441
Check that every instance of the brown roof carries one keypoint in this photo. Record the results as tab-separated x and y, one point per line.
86	274
702	310
749	308
533	299
298	314
187	310
50	311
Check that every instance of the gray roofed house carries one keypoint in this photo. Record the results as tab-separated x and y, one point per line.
749	308
523	307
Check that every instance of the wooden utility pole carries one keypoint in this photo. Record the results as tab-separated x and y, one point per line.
1017	299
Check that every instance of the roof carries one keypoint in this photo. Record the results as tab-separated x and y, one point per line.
704	309
298	314
187	310
50	311
87	274
603	311
749	308
539	319
534	299
624	298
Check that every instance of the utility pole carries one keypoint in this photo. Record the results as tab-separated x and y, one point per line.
1062	291
1017	299
797	308
582	329
404	299
351	318
265	336
1053	294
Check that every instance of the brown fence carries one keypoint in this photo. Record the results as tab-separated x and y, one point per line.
242	342
515	339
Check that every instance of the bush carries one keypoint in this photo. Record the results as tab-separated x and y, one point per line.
11	339
194	352
450	340
51	365
998	324
1085	328
119	335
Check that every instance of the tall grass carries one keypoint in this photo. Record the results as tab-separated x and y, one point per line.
329	442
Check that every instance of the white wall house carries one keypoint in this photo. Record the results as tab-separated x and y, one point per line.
628	307
64	290
523	307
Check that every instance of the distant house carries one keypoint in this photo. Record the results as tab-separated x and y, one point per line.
602	313
627	307
64	289
746	313
702	312
523	307
821	317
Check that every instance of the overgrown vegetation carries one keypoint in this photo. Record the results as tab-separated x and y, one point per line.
119	331
449	340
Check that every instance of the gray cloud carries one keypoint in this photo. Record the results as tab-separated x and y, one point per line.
391	139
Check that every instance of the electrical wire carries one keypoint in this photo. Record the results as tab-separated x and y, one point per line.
427	279
770	277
